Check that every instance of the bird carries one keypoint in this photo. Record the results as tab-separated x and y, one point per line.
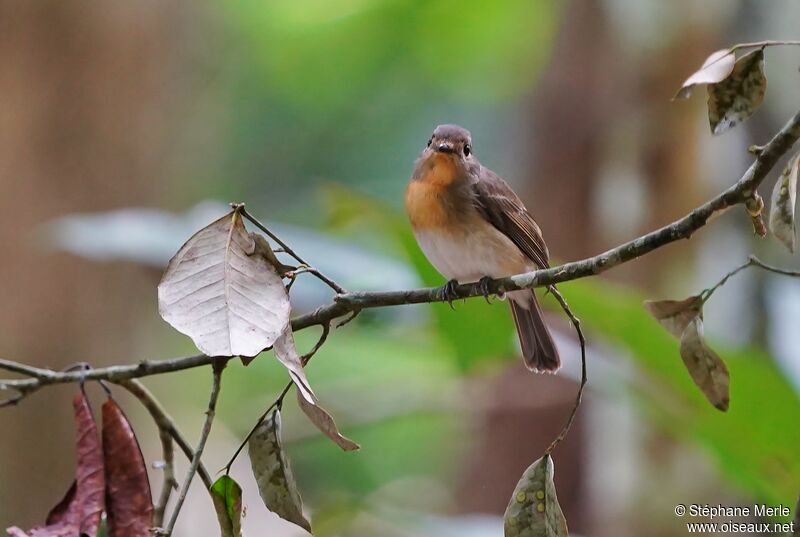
472	227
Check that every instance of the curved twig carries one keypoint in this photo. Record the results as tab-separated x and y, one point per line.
584	377
168	433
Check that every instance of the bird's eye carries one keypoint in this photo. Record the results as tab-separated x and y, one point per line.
467	150
430	141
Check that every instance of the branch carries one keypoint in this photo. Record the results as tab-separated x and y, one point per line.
168	432
219	366
349	303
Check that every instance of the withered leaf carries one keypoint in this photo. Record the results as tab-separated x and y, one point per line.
781	215
129	503
708	371
215	290
286	353
717	67
734	99
79	512
273	474
227	495
674	315
325	423
684	320
533	510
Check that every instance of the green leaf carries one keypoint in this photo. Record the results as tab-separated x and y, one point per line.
734	99
533	510
273	473
227	496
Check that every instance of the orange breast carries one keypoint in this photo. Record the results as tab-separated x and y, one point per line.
428	198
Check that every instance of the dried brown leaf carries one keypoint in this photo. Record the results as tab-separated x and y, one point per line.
273	473
734	99
781	215
708	371
78	513
229	301
675	315
717	67
129	504
325	423
533	510
286	353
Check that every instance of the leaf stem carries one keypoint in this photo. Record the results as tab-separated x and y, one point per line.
306	266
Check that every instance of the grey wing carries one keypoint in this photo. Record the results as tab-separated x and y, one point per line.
501	207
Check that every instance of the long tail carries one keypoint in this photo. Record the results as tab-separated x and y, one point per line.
538	349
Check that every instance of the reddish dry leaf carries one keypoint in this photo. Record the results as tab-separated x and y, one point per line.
129	508
79	512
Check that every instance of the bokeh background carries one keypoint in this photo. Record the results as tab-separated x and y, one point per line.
126	126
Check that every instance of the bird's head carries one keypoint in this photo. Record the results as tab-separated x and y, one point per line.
448	148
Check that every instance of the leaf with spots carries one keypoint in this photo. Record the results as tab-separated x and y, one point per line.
717	67
734	99
781	215
223	292
273	473
227	496
533	510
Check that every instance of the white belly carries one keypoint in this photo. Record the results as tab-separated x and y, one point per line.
468	257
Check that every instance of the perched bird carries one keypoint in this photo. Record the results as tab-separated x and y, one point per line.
472	227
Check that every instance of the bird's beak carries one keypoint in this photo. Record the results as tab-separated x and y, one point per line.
445	147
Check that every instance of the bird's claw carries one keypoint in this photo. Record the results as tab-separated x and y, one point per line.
483	286
448	292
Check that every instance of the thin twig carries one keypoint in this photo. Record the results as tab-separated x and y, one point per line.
767	43
219	366
752	261
584	377
308	268
168	433
278	402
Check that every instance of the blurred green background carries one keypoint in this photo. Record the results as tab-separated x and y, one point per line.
126	126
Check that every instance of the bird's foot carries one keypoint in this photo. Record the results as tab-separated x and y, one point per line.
448	292
483	286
